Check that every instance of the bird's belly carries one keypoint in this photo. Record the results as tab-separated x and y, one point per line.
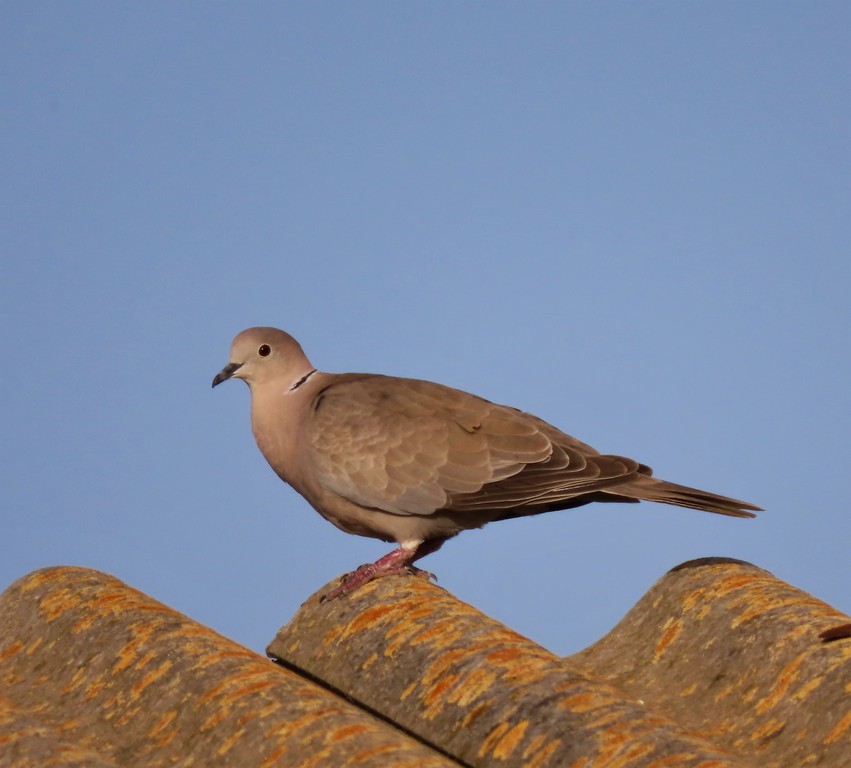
378	524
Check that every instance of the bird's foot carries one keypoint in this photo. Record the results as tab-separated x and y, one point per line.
396	563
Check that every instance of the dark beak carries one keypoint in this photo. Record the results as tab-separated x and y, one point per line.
229	370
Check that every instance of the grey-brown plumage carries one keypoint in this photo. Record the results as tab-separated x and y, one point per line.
416	462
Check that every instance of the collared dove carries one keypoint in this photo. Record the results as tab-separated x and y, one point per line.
416	462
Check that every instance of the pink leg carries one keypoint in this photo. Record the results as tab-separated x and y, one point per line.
399	562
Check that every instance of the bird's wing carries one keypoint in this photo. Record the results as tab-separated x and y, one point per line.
413	447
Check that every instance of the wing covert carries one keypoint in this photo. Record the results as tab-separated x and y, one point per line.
408	446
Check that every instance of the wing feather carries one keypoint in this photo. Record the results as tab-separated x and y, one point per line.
403	445
413	447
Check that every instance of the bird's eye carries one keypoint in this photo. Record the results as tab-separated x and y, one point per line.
264	350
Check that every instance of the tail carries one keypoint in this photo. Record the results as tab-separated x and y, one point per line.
646	488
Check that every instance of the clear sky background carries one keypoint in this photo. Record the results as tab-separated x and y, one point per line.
631	219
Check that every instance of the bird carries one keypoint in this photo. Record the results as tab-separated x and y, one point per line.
415	462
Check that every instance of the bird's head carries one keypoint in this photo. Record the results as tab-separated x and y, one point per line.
264	354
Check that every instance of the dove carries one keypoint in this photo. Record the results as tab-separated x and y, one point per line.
415	462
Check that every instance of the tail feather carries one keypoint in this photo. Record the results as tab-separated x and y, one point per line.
647	488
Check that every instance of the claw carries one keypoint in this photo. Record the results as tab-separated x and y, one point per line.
399	562
420	573
396	563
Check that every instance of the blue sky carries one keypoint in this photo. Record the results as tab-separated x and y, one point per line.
629	219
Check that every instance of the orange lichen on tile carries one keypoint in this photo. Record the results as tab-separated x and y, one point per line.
84	623
582	702
672	631
245	684
473	714
36	579
366	619
162	723
210	658
94	689
76	680
504	656
127	655
347	731
142	661
12	650
444	662
492	738
369	754
216	717
769	603
33	646
436	698
409	690
55	604
808	687
782	683
213	692
539	750
229	743
127	714
676	760
836	733
509	742
611	744
475	685
732	583
633	752
439	635
151	677
273	759
688	690
165	739
768	729
405	633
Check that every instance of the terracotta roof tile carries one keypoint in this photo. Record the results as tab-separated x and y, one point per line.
102	667
731	651
720	664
